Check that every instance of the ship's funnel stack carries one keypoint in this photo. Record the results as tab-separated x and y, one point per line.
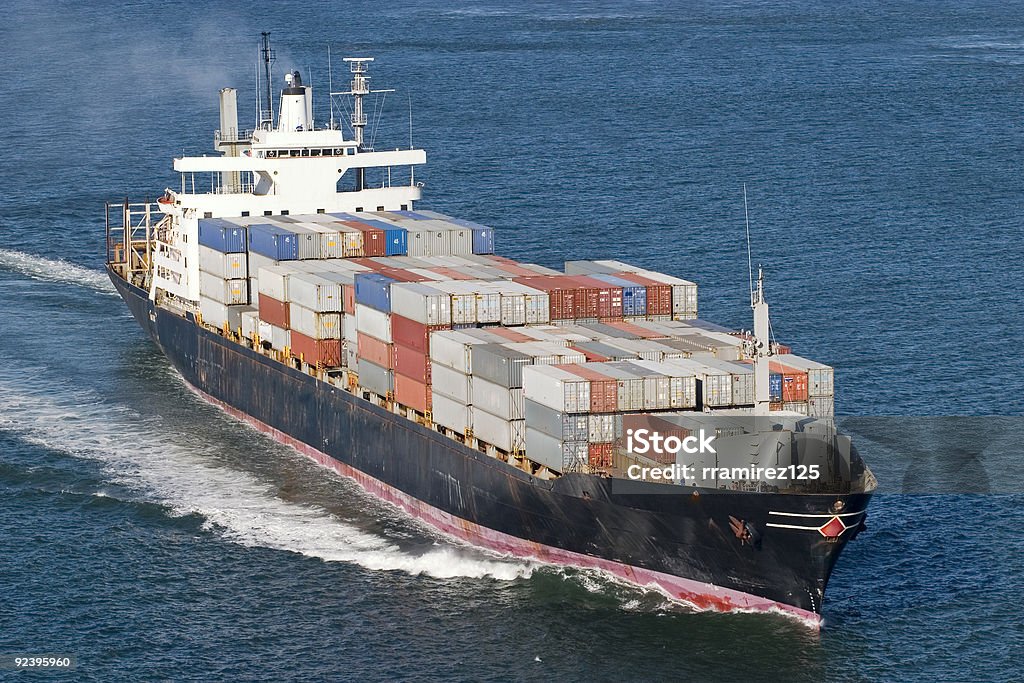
296	105
228	139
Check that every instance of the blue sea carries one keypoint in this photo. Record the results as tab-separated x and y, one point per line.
881	145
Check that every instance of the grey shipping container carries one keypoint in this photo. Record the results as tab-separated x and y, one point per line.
562	426
375	378
499	364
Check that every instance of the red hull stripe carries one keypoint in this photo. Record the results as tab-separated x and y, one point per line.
703	596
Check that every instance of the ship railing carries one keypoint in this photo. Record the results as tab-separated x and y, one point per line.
131	231
232	135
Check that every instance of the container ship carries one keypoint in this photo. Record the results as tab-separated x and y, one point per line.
294	280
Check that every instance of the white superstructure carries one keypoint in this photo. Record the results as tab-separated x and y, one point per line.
288	168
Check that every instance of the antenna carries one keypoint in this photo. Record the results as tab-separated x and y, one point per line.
330	85
412	168
750	264
256	68
269	57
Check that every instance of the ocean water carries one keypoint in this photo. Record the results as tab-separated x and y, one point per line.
154	538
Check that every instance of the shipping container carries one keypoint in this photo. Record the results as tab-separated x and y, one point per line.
630	385
413	393
273	242
684	294
602	299
562	426
423	303
411	363
451	413
375	378
556	388
250	321
278	337
682	384
794	381
508	435
413	334
374	290
331	242
308	242
659	294
742	380
496	399
796	407
483	240
714	385
316	292
588	268
460	241
218	314
314	324
219	234
229	292
451	382
820	377
821	406
634	295
499	364
228	266
559	456
274	312
604	350
775	387
375	350
320	352
452	348
374	323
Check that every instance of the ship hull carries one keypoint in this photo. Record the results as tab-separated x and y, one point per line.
680	542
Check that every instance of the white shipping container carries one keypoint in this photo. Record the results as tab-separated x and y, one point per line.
463	301
548	353
250	323
716	384
278	337
421	302
556	388
214	312
375	323
452	349
229	292
307	240
682	384
225	266
451	383
601	428
331	244
313	323
496	399
820	377
273	281
350	331
460	241
451	413
544	449
507	435
630	385
316	292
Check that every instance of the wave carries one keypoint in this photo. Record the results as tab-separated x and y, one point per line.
138	453
54	270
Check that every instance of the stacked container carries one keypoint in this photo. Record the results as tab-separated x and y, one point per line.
223	273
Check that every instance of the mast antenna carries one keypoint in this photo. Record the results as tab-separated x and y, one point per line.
750	264
330	85
269	57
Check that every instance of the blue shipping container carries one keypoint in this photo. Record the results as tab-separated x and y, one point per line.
374	290
225	237
774	387
634	296
483	240
273	242
396	241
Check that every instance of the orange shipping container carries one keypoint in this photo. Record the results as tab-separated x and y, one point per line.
412	393
323	352
274	312
794	382
375	351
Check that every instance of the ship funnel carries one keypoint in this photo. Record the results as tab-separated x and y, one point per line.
296	104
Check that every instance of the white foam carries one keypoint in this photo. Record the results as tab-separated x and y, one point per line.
177	471
53	270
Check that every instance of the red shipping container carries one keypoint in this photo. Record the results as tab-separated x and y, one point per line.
659	295
412	334
794	381
600	455
604	390
590	355
609	298
451	273
323	352
375	351
635	329
510	334
411	363
274	312
348	295
411	393
374	243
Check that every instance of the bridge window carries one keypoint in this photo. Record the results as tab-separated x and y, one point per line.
245	213
268	213
208	214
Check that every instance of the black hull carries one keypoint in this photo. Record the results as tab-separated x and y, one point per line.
575	518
